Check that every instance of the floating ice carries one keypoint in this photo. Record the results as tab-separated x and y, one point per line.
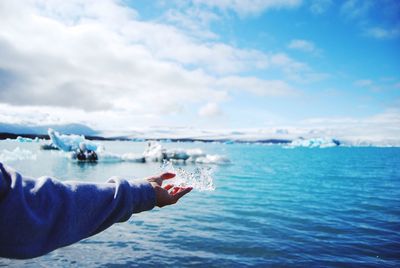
16	154
200	179
128	157
155	152
105	157
22	139
211	159
313	143
68	143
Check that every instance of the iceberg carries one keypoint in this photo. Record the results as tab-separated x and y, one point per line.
313	143
68	143
155	152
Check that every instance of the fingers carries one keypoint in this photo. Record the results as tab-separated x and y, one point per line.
168	187
175	190
167	175
181	192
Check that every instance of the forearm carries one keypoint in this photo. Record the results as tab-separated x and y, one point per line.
38	216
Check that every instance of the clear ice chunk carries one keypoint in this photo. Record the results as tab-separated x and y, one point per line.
200	179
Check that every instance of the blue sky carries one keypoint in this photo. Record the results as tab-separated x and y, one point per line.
206	64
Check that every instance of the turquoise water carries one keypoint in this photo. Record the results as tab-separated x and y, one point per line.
272	206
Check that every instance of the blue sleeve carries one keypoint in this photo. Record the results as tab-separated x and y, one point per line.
38	216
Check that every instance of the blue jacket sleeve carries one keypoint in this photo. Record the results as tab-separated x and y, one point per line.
38	216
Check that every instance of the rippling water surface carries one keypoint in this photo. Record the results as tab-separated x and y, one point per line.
271	207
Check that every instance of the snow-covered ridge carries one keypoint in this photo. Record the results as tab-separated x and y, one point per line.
380	136
288	137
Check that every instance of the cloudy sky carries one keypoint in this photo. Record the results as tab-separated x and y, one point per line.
200	63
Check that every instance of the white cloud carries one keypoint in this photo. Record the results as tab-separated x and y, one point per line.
320	6
257	86
380	129
382	33
303	45
383	84
376	19
210	109
354	9
249	7
97	60
195	21
296	71
108	121
364	83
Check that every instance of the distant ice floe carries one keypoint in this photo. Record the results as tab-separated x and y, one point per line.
22	139
313	143
17	154
370	143
200	179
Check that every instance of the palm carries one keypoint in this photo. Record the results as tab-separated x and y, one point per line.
168	194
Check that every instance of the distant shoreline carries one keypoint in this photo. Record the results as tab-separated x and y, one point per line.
6	135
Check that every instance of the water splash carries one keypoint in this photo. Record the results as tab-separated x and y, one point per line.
200	179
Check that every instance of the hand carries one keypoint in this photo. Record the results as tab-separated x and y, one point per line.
168	194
